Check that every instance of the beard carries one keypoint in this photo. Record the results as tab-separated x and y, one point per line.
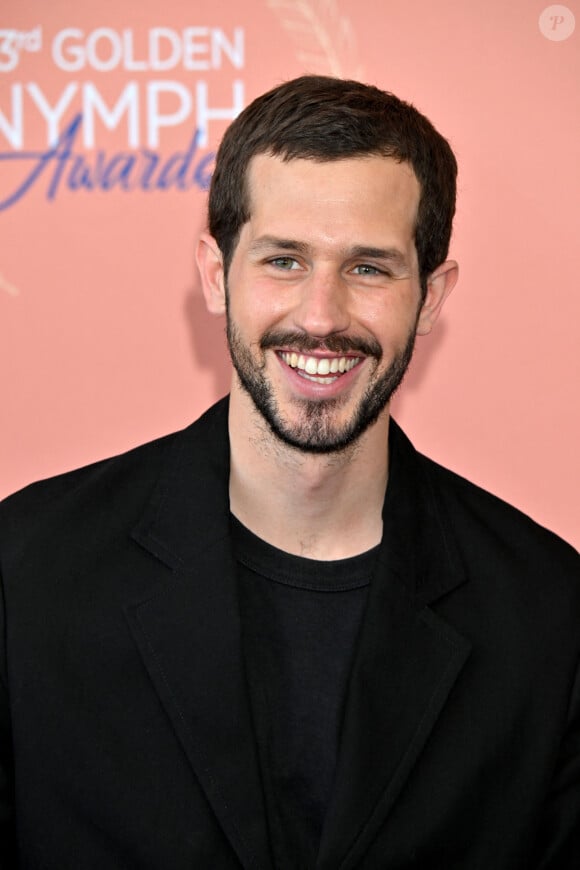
317	430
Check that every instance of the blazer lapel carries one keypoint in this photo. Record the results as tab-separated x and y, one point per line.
404	668
189	633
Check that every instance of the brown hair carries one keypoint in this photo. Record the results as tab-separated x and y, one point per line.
322	118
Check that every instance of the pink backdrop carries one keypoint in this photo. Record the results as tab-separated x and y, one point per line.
104	340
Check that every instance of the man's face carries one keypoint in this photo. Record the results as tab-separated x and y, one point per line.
324	295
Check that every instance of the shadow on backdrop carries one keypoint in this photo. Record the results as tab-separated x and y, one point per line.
426	348
207	336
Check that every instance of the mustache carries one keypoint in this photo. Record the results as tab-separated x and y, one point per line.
301	341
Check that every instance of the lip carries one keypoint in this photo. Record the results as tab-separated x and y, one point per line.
320	353
312	390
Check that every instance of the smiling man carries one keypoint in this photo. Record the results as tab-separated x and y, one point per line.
334	278
282	638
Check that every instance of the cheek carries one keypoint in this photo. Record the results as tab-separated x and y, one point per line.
389	316
257	303
392	329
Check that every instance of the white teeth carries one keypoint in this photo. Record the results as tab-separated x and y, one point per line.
319	380
321	366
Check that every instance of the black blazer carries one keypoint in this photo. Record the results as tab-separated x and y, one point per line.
125	730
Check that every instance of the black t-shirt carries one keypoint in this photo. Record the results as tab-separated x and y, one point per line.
300	619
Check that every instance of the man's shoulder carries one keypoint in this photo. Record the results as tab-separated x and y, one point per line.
480	528
483	524
112	485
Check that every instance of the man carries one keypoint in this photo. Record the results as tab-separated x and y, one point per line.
282	638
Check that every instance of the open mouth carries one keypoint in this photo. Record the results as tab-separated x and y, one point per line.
321	370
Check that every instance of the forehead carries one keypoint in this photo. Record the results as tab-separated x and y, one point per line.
372	190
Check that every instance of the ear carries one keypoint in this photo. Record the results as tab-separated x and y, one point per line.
440	283
211	270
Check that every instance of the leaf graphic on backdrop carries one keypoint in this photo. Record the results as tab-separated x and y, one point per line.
8	287
325	39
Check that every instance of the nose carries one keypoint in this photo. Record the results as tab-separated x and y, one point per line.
322	309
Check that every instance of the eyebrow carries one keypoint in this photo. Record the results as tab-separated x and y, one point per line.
265	243
393	255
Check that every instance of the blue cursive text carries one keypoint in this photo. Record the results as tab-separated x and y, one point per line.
126	170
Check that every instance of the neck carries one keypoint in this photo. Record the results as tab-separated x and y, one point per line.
322	506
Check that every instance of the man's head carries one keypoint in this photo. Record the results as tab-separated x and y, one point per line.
325	119
330	215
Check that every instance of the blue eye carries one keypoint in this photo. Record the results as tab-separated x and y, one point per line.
286	263
366	269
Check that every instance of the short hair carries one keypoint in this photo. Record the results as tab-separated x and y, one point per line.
323	119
